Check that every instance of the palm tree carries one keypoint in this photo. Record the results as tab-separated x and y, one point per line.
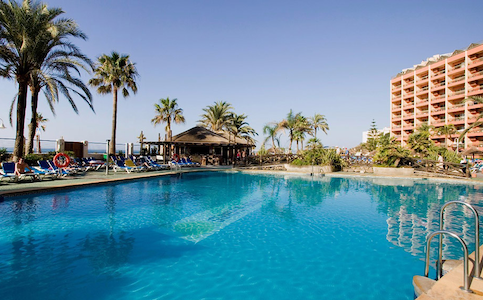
271	131
239	128
39	120
113	73
446	130
216	117
420	140
22	27
290	124
141	139
55	58
302	127
318	121
166	112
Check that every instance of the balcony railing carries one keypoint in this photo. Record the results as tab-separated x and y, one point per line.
439	97
457	105
457	79
439	84
457	119
423	89
475	74
424	77
437	109
437	73
396	87
396	106
458	66
474	61
458	92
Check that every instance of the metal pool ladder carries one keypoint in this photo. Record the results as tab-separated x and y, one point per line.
441	232
477	238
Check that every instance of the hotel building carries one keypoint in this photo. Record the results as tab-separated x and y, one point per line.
434	93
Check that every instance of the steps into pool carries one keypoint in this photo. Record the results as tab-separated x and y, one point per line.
454	279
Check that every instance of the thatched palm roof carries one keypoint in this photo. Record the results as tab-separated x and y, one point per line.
200	135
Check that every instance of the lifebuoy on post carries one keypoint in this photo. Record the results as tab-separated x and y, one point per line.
176	157
61	160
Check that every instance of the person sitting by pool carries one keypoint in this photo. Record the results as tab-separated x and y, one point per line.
20	167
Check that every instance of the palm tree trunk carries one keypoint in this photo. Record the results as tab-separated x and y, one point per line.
112	144
33	120
18	149
315	132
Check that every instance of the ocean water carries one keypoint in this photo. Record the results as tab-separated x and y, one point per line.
226	236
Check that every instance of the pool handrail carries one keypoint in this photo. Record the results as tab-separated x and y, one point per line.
466	286
439	265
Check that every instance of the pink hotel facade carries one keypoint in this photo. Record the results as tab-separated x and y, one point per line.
434	93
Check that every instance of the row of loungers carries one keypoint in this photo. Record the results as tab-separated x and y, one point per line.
136	164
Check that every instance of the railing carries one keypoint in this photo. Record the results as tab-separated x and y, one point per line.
477	239
458	66
458	79
466	286
475	74
438	109
474	61
439	97
424	77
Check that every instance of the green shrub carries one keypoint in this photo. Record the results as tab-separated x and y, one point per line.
4	156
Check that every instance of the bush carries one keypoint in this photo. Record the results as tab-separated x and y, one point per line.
4	156
320	157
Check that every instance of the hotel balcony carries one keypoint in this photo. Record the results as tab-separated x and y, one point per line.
472	118
475	132
457	68
396	98
475	63
476	91
408	117
439	122
456	81
438	99
438	75
422	102
475	76
437	86
457	107
474	105
456	120
396	108
422	81
456	95
438	111
422	91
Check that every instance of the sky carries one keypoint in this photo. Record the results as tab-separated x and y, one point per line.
334	58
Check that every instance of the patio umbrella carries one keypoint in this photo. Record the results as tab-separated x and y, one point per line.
472	151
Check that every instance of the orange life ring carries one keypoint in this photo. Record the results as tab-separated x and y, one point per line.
61	160
176	157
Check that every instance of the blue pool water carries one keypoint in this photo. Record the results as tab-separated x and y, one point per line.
226	236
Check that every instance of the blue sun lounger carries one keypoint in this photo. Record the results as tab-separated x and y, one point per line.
9	171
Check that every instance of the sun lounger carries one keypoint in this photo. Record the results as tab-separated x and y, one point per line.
120	166
154	164
9	171
131	164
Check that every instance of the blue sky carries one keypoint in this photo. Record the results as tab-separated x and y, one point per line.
335	58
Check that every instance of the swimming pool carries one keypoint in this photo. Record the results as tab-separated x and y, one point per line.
225	236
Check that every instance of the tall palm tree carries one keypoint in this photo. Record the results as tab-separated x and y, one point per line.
446	130
39	120
55	58
318	121
217	116
166	112
22	27
113	73
271	131
290	124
